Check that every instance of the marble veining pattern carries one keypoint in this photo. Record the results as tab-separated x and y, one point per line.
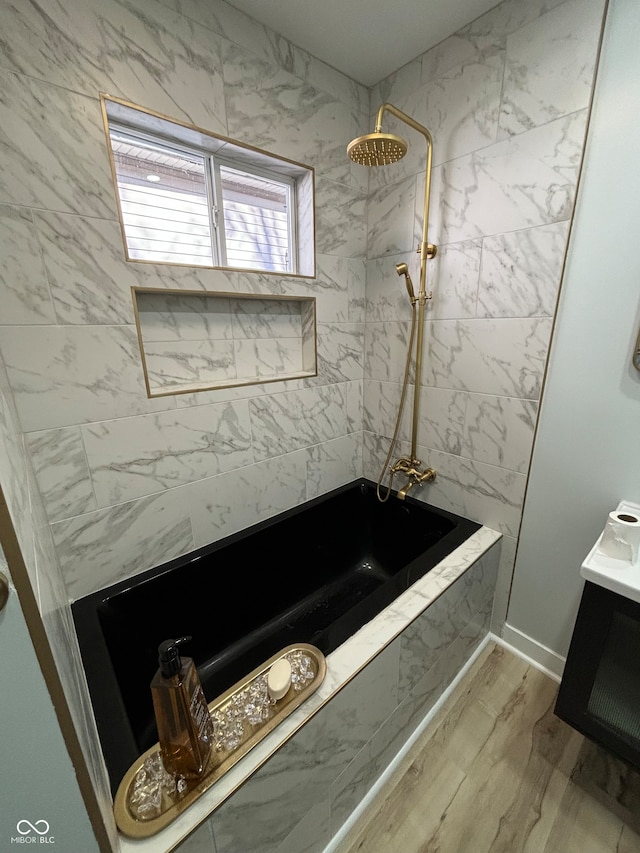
24	290
307	117
526	180
91	281
549	66
132	457
266	357
68	375
54	149
222	505
503	357
520	272
499	431
332	464
285	422
341	221
111	541
184	318
340	353
453	277
146	54
172	365
60	465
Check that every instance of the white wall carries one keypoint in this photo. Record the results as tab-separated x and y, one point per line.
587	451
37	782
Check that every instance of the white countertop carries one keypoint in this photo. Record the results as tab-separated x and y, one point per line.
614	575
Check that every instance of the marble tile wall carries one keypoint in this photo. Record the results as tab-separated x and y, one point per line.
506	100
215	341
325	770
127	481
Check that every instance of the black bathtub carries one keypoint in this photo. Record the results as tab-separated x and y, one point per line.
314	574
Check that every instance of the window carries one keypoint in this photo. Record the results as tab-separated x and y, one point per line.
188	197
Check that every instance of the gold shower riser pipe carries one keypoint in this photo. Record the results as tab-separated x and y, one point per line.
426	251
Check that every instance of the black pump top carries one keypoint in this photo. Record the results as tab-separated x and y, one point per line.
169	656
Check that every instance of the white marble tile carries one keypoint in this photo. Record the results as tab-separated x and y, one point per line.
265	318
54	149
102	547
24	290
475	490
356	289
323	76
68	375
171	365
460	109
386	346
390	219
340	353
341	221
506	17
192	317
144	53
241	392
430	636
395	87
503	357
275	110
281	423
458	50
333	463
132	457
499	431
312	834
295	775
91	281
550	65
381	401
387	298
353	392
222	505
520	272
442	415
201	841
268	45
266	358
452	277
518	183
332	287
374	451
60	465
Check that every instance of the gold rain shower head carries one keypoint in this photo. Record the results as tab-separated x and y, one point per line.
377	149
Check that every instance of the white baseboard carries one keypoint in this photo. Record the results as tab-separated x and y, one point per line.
544	659
382	780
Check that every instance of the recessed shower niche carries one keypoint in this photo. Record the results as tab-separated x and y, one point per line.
197	340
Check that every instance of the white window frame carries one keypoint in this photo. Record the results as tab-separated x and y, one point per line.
215	197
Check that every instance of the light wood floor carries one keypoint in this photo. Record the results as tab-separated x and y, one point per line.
497	772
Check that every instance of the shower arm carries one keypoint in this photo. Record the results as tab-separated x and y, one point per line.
426	250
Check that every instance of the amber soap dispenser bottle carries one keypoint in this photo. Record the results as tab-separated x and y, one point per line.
185	730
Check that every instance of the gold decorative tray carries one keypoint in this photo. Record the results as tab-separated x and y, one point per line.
148	799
